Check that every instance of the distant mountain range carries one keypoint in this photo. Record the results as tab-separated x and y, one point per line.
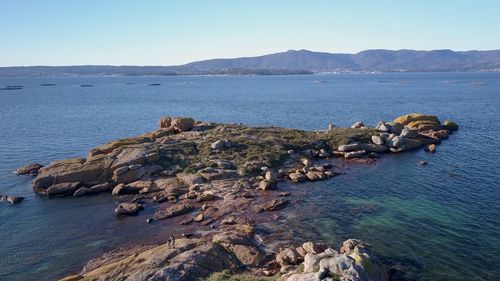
291	62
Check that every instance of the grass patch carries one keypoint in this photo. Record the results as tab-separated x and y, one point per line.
228	276
254	147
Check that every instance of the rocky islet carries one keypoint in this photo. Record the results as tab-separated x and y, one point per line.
210	172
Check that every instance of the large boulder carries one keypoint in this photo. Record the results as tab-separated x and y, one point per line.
287	256
378	140
421	122
409	133
358	125
247	255
353	263
314	248
165	122
367	147
141	154
111	146
183	124
127	209
266	185
131	174
73	170
61	189
395	128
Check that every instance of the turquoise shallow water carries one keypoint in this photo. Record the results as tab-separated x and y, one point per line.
439	222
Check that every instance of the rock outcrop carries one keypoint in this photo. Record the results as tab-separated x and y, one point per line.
352	262
405	133
232	249
198	153
217	176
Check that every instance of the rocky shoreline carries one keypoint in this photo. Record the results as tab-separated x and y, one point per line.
219	178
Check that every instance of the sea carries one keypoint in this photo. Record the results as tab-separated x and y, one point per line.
435	222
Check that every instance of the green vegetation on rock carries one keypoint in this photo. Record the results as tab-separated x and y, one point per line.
228	276
254	147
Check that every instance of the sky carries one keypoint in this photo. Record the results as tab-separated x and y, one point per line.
171	32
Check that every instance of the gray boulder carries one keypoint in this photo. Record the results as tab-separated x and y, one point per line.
409	133
354	154
377	140
221	144
396	128
81	191
358	125
398	141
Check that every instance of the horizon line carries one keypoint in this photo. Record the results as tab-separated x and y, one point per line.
254	56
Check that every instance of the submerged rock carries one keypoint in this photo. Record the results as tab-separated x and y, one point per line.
175	210
271	205
11	199
430	148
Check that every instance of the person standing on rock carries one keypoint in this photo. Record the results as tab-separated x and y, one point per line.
171	241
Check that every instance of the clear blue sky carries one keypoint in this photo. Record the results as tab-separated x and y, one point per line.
166	32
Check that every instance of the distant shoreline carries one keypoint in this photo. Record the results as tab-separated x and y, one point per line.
241	75
292	62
